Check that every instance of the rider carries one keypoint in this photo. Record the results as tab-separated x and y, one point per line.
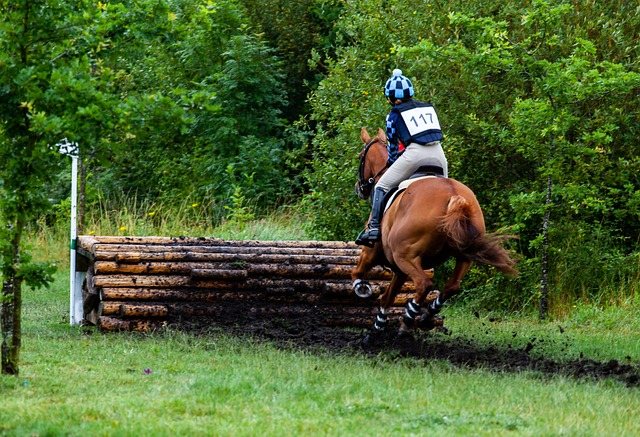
414	126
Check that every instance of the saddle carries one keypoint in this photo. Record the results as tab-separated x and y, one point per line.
423	172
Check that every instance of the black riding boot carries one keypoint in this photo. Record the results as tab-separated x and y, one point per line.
372	234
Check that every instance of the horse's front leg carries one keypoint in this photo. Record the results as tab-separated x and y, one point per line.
369	258
386	299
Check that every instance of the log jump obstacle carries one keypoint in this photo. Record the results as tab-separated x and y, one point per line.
142	283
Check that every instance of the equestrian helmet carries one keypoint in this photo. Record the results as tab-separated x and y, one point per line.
398	86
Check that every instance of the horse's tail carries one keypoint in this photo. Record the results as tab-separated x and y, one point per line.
470	242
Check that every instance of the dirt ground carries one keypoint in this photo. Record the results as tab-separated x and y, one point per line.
310	332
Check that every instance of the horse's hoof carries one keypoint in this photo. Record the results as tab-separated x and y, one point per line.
405	333
428	323
373	339
404	330
369	340
367	243
362	289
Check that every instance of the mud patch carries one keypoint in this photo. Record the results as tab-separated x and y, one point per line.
311	332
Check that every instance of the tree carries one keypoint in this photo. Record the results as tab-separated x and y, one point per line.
528	93
53	86
30	39
128	81
297	30
203	85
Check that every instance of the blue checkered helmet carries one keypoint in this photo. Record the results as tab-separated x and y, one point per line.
398	86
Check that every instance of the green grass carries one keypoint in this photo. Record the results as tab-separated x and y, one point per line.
191	219
130	216
75	382
596	333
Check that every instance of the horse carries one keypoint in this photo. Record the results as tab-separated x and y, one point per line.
432	220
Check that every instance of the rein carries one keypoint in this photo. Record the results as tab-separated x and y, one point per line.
364	186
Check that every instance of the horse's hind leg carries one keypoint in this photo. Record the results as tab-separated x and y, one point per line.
451	288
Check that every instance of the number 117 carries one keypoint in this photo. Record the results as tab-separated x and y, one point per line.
423	118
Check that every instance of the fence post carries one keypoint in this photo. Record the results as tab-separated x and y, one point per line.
75	290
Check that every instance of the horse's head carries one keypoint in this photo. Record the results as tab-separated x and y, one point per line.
373	162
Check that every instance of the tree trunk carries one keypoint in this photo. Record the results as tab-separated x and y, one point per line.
10	318
543	304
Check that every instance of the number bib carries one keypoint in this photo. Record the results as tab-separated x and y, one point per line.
420	120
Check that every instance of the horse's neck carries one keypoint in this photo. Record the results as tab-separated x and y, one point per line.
381	156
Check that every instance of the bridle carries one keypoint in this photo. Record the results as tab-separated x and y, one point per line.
363	187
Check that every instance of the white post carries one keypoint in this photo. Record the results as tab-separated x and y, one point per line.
75	290
75	304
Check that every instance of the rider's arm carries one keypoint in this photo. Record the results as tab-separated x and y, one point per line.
393	148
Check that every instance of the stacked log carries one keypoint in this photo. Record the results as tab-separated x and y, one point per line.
140	283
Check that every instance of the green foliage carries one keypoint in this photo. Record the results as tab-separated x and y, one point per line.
297	30
526	93
202	86
33	64
28	37
249	136
593	267
132	81
36	274
239	212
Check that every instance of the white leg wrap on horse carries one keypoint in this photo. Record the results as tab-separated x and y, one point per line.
436	305
412	309
381	320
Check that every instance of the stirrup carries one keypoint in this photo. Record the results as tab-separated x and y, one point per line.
368	237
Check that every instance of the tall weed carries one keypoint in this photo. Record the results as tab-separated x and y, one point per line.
592	269
588	267
49	238
129	215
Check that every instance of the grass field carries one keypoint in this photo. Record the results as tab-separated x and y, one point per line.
80	382
77	382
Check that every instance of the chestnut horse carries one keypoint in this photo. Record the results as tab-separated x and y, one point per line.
434	219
